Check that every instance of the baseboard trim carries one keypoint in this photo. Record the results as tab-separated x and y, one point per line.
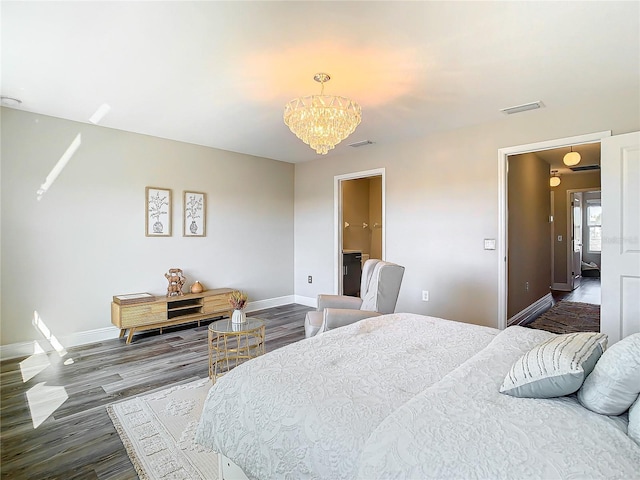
90	336
270	303
307	301
532	311
25	349
15	350
561	287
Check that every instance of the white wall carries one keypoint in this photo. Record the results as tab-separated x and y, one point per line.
66	255
441	202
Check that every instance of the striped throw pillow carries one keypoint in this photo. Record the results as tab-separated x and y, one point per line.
556	367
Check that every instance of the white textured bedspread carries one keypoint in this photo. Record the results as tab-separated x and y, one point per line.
307	410
462	427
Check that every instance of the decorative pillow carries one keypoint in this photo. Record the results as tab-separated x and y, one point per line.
634	421
614	383
556	367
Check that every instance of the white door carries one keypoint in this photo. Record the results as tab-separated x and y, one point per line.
620	310
576	240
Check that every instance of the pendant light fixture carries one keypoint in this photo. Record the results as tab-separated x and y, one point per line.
322	121
554	181
572	158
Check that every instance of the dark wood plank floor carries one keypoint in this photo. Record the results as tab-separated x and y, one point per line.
78	440
588	292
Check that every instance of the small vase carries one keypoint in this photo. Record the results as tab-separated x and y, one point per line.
238	316
196	287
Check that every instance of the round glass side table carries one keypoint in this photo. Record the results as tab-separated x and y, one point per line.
233	343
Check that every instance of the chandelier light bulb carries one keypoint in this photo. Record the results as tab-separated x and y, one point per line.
322	121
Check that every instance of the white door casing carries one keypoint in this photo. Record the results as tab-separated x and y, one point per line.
337	223
620	275
574	269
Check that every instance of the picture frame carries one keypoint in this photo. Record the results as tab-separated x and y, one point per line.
194	214
157	212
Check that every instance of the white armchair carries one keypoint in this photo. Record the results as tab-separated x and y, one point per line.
379	289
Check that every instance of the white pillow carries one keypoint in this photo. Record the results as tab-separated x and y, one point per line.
614	383
634	421
556	367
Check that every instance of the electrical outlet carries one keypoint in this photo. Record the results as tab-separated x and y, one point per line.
309	279
526	286
425	295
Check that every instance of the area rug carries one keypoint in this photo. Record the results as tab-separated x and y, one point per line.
569	317
158	432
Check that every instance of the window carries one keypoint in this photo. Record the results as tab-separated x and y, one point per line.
594	223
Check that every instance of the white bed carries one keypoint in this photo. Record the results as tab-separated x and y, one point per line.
406	396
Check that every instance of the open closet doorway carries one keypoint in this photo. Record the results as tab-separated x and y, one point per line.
359	204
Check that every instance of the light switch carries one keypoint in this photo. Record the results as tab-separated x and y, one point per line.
489	243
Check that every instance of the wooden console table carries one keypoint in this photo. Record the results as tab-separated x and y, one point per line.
168	311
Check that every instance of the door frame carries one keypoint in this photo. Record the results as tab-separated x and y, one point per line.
337	222
571	253
566	286
570	212
503	154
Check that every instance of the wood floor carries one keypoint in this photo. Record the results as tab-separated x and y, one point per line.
587	292
78	440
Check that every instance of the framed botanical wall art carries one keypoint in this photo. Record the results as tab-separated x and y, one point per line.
194	214
158	212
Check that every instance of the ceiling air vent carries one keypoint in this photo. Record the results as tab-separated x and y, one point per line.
361	144
522	108
584	168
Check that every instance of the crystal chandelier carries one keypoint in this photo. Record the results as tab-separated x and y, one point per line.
322	121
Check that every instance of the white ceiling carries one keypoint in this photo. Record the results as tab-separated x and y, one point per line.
589	155
219	73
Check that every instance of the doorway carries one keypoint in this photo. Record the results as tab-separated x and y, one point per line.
584	232
584	248
547	239
503	244
359	226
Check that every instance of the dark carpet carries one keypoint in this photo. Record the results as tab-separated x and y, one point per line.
569	317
